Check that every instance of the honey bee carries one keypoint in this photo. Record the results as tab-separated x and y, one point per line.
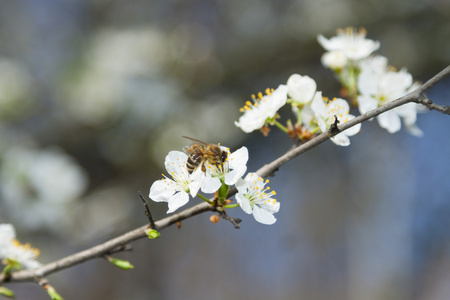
201	152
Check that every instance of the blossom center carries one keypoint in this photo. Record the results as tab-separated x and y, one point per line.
256	100
26	248
333	108
257	194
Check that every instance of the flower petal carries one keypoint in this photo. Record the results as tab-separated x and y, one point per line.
390	121
317	105
301	88
263	216
244	203
162	190
177	201
211	184
366	103
175	162
341	139
354	129
238	165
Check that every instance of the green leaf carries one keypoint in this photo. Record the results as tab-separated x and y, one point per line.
6	292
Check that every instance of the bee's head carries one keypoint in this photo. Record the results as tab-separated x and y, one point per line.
224	156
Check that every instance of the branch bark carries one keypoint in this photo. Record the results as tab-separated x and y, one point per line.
266	170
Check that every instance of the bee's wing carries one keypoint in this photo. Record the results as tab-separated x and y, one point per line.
194	140
187	149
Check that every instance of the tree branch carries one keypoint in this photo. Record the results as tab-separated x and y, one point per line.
101	249
267	170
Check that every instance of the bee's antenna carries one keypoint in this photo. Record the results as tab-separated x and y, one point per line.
194	140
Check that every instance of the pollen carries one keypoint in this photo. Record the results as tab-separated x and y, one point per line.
26	247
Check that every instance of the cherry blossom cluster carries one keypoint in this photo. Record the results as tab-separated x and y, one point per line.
253	197
367	83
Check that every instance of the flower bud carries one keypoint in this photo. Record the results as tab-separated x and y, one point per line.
53	293
214	219
123	264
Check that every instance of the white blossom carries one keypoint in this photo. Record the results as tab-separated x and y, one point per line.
334	60
231	171
326	111
351	43
176	191
264	107
301	89
378	84
38	186
254	198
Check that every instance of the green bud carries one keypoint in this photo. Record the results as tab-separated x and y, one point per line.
152	234
6	292
53	293
123	264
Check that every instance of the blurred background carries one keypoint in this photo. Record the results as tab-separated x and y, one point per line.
94	94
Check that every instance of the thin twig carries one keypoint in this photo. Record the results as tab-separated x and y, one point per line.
264	171
432	106
147	211
234	221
